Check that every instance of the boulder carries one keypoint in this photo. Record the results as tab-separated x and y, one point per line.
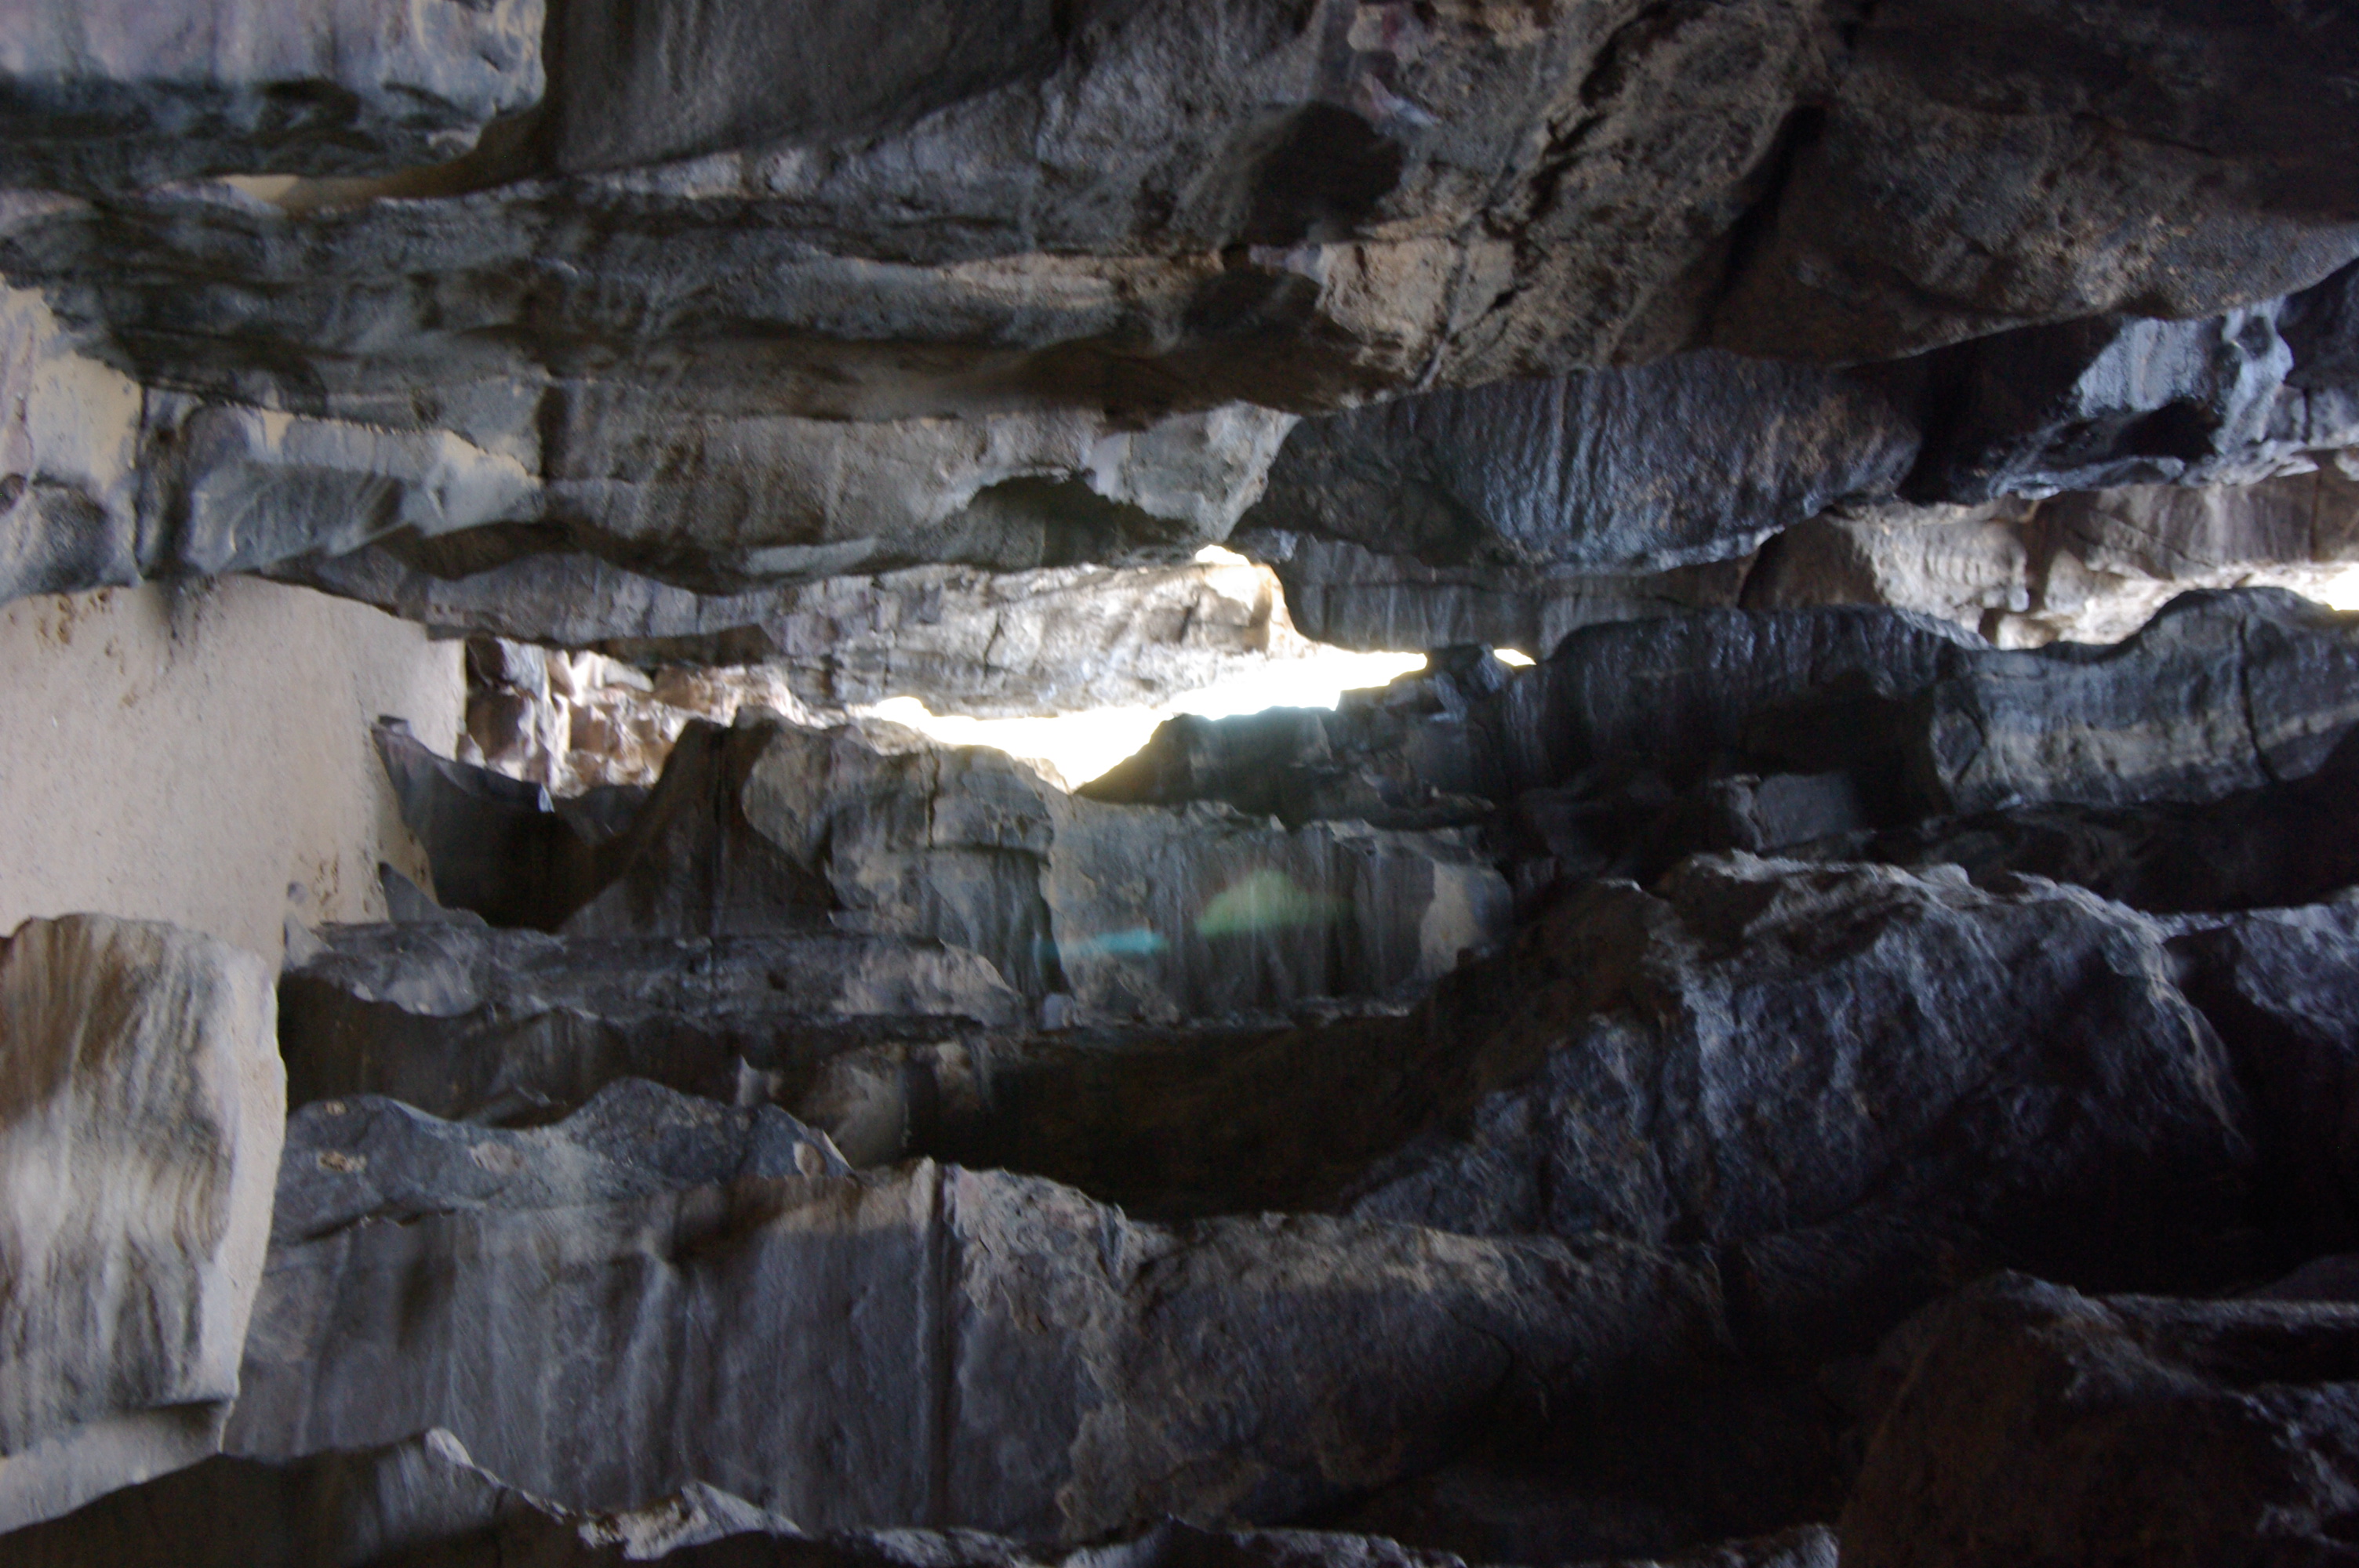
1757	1050
2030	1423
1848	1081
142	1109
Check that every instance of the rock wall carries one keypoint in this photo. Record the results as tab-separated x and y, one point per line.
604	292
1820	1024
201	755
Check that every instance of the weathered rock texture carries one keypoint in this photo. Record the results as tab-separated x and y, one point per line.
998	645
1841	731
1529	1243
1541	1100
1673	1156
462	1021
729	301
425	1499
370	1158
1569	489
2035	1424
2085	566
1106	911
142	1108
937	1346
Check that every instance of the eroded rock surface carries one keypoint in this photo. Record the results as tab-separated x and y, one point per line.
2032	1423
370	1158
1150	912
459	1020
142	1109
424	1496
113	97
711	302
936	1345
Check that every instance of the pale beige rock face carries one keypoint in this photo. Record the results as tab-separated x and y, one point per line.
142	1110
69	454
191	756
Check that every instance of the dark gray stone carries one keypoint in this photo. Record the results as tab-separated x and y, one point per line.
463	1020
1984	167
1024	288
2033	1424
1132	911
1412	754
2282	988
1759	1048
1357	597
2281	844
1679	693
423	1502
2221	692
944	1346
1695	459
365	1157
2096	404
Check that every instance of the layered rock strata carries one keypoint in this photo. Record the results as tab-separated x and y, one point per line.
432	288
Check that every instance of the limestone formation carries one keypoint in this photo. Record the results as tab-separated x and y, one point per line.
370	1158
425	1495
1565	489
2084	566
1106	911
963	1348
1697	458
140	1126
988	644
116	97
461	1021
2031	1423
1820	1024
2279	844
727	302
